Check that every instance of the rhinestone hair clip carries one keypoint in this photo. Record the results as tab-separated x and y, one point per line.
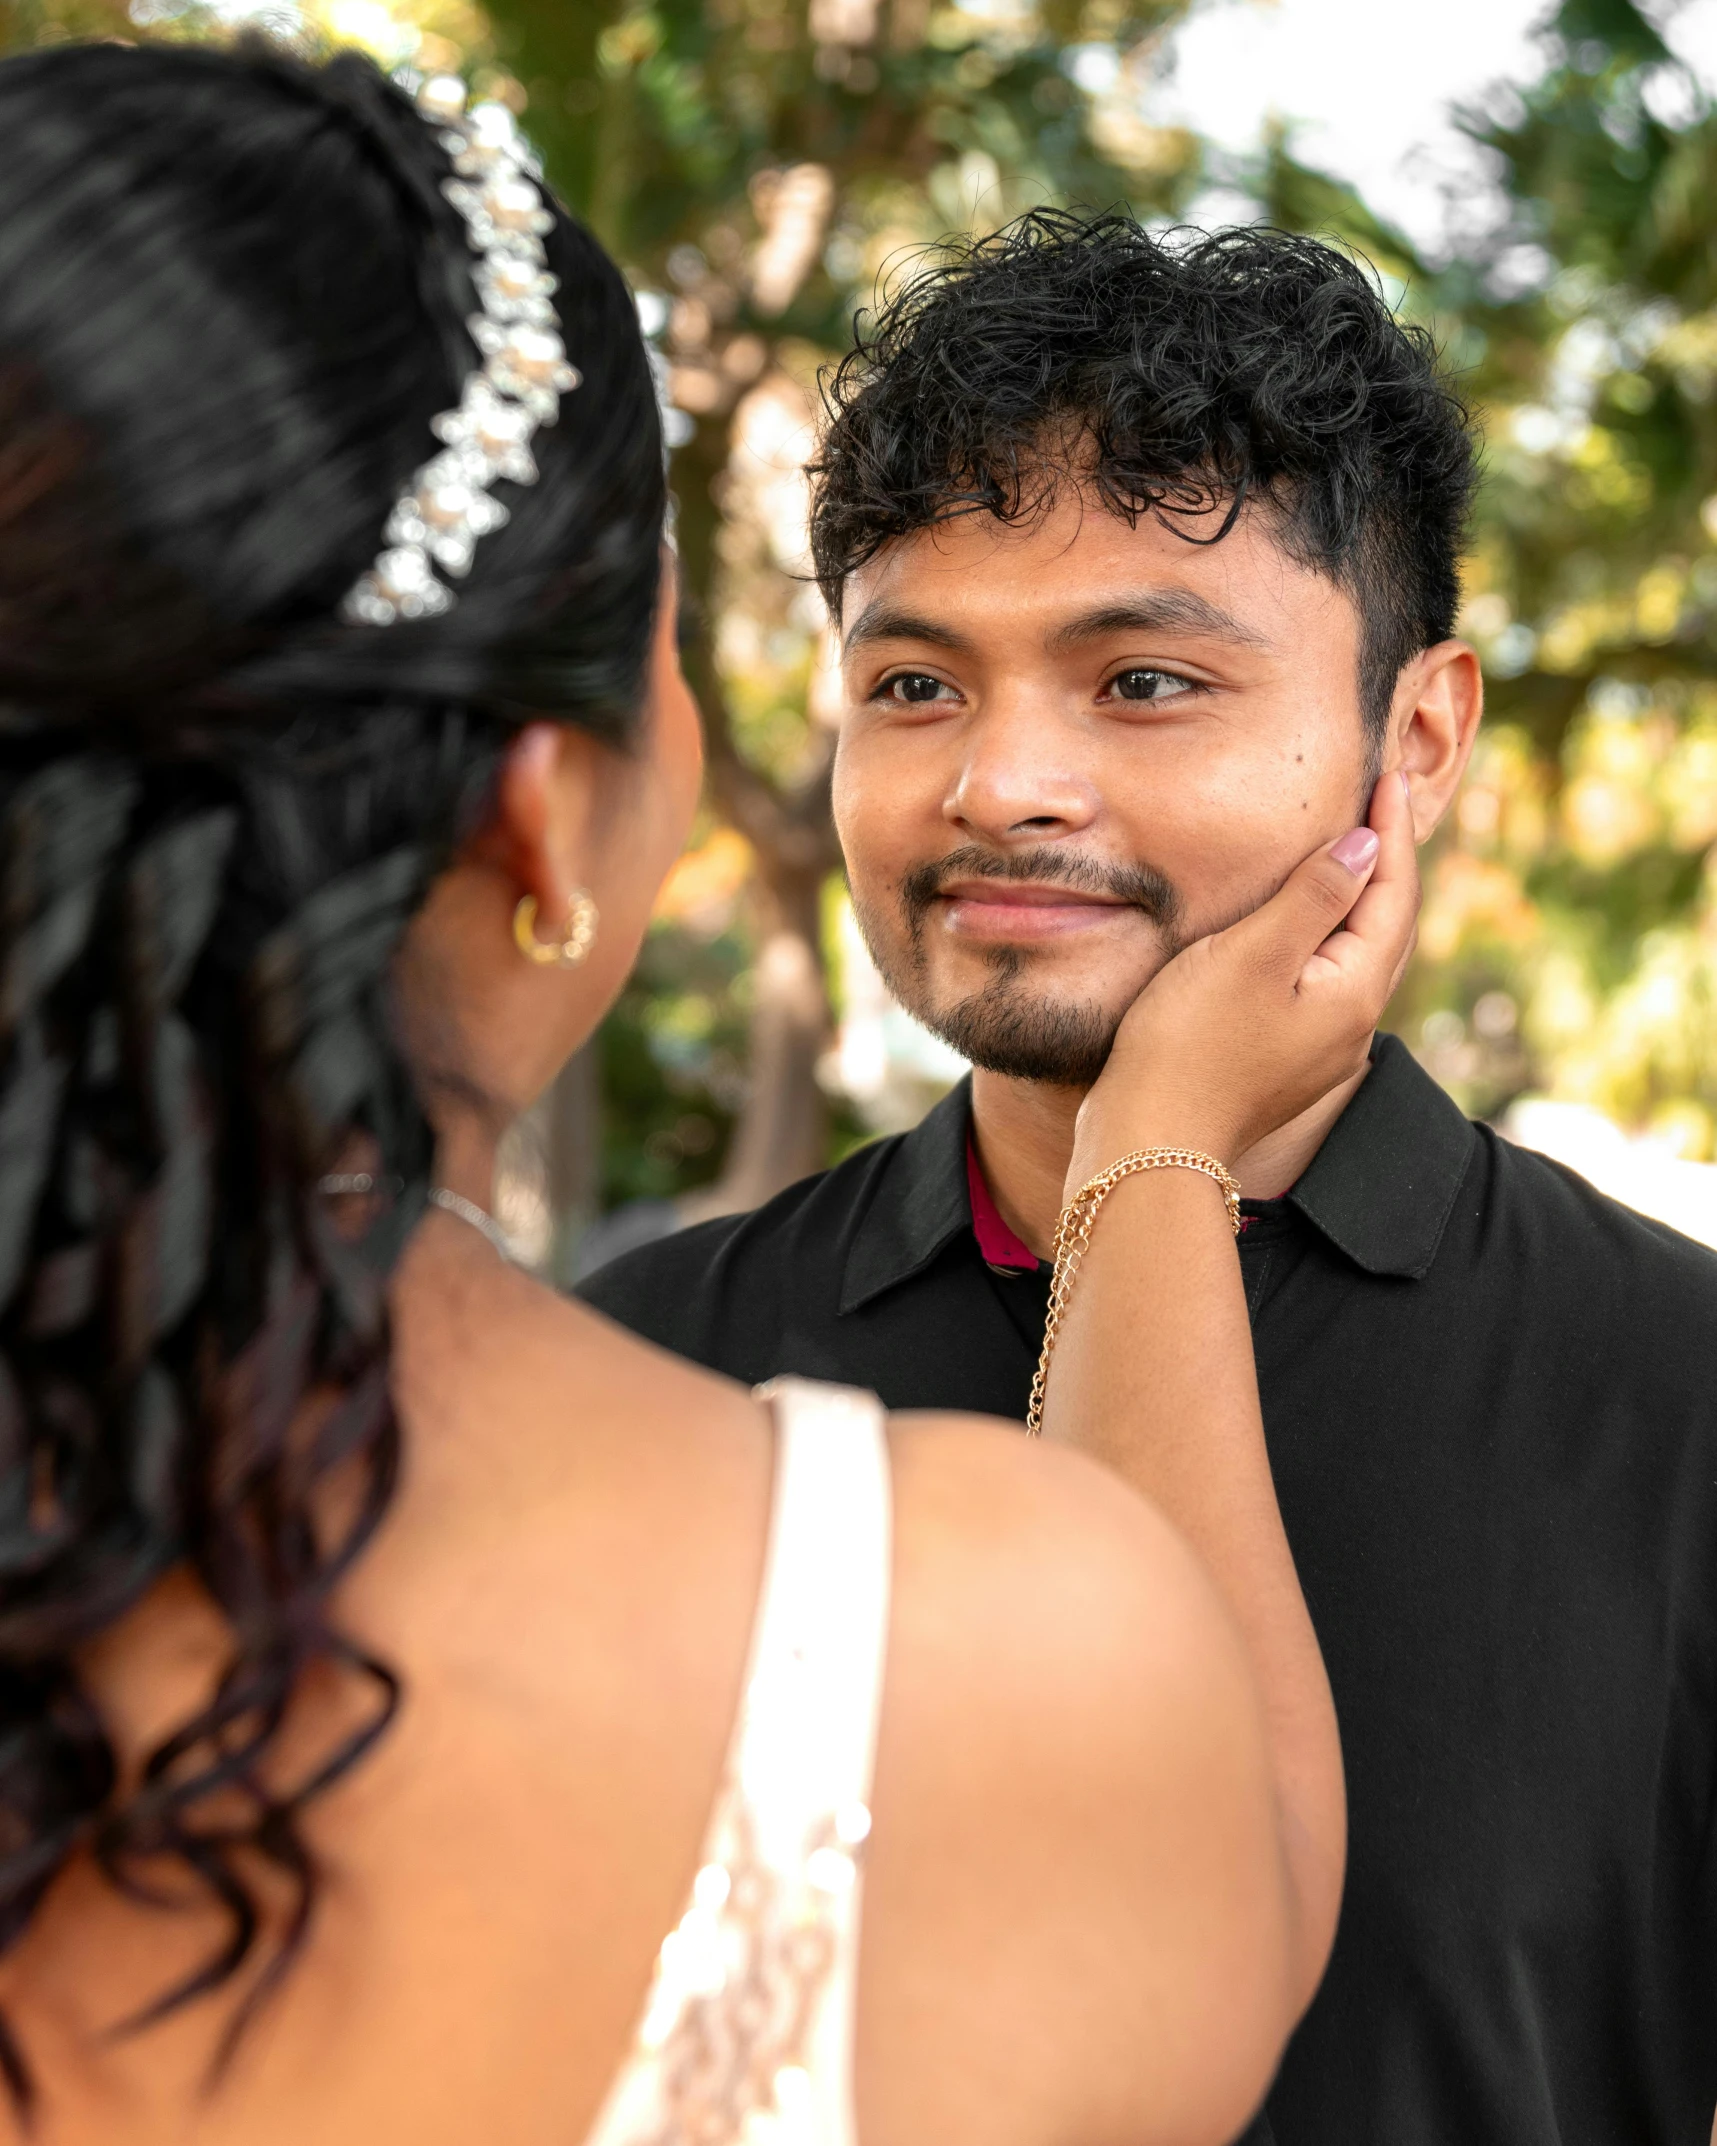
514	392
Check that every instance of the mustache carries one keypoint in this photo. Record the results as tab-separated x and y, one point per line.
1140	886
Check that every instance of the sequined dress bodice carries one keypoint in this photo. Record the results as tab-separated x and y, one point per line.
747	2035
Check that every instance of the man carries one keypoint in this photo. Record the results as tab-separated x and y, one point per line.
1145	563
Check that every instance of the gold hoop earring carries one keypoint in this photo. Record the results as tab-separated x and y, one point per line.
566	953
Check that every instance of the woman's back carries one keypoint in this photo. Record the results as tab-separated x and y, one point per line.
1061	1927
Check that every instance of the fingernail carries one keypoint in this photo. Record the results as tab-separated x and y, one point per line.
1355	850
1406	785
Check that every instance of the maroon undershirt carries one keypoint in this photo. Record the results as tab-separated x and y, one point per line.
997	1243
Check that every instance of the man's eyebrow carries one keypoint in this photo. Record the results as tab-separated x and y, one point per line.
1165	610
883	621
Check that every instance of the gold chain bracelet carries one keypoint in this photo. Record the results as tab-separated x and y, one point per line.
1073	1234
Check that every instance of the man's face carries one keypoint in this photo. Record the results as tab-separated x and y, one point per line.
1072	746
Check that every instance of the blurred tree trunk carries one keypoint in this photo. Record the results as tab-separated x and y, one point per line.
783	1123
782	1130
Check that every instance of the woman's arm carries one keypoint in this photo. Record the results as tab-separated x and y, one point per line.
1152	1372
1153	1376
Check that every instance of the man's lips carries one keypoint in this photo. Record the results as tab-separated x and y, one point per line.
1023	909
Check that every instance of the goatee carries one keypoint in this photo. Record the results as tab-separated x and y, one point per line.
1005	1027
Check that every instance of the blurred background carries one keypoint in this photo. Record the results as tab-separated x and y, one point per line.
1537	182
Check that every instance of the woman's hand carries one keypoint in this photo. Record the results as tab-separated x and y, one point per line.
1246	1029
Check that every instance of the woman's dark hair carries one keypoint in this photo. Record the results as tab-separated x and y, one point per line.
232	297
1173	375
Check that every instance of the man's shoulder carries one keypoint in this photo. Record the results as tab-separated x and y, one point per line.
1603	1251
687	1288
1567	1201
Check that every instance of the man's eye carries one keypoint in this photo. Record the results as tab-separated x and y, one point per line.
914	688
1149	685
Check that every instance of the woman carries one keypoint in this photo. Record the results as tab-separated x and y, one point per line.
376	1629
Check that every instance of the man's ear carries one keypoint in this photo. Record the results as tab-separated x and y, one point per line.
1439	699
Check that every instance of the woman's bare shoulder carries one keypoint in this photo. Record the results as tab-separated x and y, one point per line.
1071	1768
1063	1555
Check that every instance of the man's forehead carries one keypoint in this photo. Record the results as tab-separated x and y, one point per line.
1094	617
1074	574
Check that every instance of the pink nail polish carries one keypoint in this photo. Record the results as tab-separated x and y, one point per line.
1355	850
1406	785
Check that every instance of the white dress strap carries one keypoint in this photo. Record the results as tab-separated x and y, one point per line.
748	2032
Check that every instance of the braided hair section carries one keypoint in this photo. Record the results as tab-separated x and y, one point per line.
195	1024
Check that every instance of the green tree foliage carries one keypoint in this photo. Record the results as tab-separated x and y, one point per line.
24	23
1569	941
1570	937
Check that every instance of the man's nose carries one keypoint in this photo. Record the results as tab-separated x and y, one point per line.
1020	780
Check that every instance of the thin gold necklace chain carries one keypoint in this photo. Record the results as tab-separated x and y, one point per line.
1073	1235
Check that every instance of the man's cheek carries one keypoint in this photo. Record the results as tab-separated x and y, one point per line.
1242	844
876	897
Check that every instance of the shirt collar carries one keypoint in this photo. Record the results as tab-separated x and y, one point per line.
919	1203
1381	1188
1383	1185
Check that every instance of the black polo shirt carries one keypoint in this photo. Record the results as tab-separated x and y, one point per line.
1490	1396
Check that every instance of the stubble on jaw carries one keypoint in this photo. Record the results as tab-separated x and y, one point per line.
1005	1027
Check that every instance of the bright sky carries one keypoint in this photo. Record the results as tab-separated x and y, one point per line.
1372	82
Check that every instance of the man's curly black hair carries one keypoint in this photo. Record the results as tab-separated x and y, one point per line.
1175	375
